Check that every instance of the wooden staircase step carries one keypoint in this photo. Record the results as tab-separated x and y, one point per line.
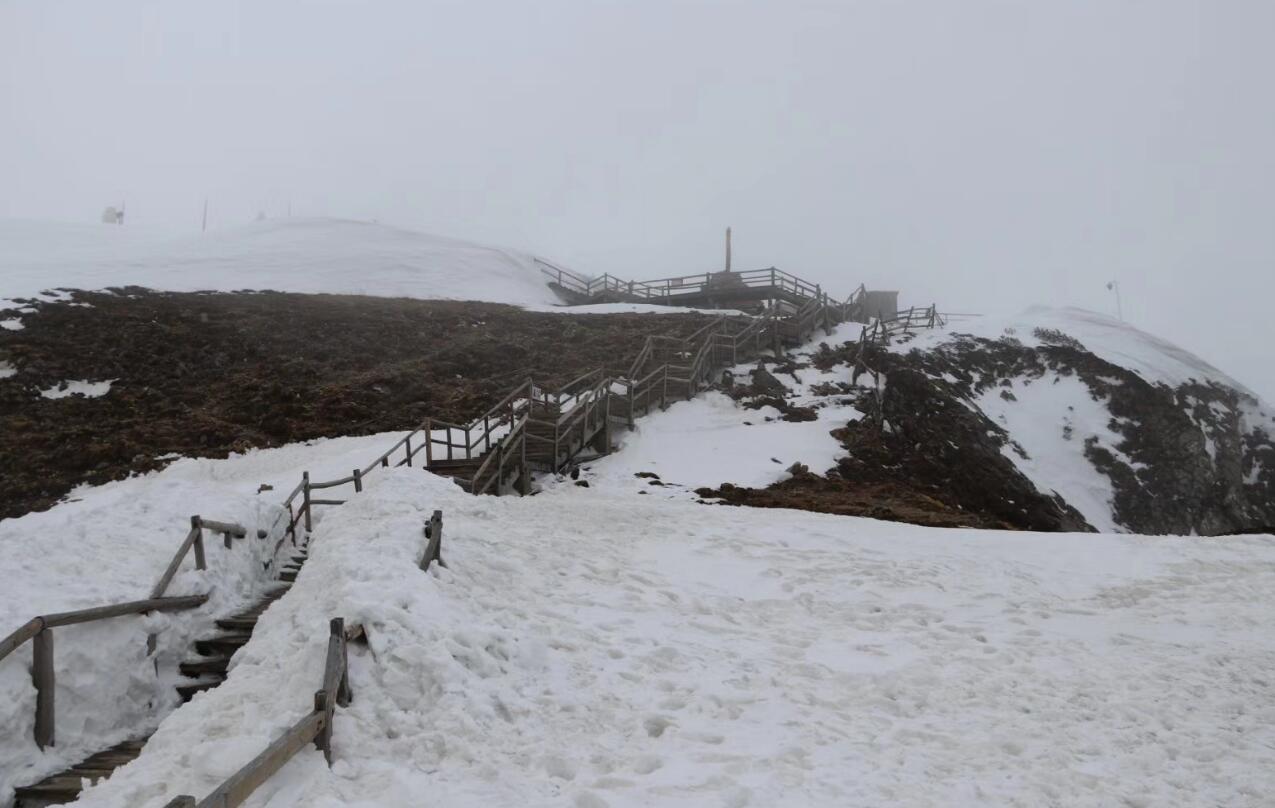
237	623
222	643
188	691
194	668
65	787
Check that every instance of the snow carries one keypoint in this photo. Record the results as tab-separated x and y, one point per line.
1036	419
597	647
1118	342
585	648
12	324
7	370
111	543
312	255
1043	408
78	387
711	440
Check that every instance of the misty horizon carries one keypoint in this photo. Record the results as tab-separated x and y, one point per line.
986	158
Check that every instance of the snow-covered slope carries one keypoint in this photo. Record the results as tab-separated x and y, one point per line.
593	649
1155	359
290	255
601	647
1134	432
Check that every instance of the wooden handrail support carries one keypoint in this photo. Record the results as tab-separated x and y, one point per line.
434	545
40	631
316	726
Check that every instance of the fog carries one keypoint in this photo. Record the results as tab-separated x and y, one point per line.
983	155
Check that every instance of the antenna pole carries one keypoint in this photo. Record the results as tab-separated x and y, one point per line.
728	249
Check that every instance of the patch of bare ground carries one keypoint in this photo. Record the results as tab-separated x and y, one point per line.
206	374
917	455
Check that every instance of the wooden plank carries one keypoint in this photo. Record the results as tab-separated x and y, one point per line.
43	679
175	564
25	632
238	531
256	771
120	609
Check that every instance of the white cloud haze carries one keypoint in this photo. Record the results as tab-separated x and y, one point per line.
984	155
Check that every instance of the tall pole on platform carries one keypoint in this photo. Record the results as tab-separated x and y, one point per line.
1115	287
728	249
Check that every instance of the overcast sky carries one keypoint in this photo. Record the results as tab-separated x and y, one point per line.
984	155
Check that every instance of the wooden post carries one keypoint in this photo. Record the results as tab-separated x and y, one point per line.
323	740
524	474
448	432
429	445
486	433
500	467
343	693
197	526
358	481
433	547
305	502
553	464
664	389
42	678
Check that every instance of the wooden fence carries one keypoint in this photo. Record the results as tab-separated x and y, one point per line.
315	727
39	630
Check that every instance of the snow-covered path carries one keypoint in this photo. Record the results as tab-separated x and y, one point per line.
593	649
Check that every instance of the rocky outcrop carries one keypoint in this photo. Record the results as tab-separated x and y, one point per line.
1193	458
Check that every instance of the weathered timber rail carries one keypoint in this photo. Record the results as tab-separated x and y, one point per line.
315	727
749	288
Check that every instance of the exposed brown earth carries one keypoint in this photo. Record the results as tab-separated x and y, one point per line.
207	374
916	456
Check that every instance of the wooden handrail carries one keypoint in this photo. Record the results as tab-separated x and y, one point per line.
39	630
315	727
37	624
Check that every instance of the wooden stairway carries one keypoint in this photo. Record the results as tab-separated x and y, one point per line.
206	669
541	449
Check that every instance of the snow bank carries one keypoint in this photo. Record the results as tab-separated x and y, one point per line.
111	543
612	650
711	440
292	255
1152	358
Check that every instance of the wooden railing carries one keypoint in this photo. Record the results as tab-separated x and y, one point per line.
315	727
39	630
667	290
